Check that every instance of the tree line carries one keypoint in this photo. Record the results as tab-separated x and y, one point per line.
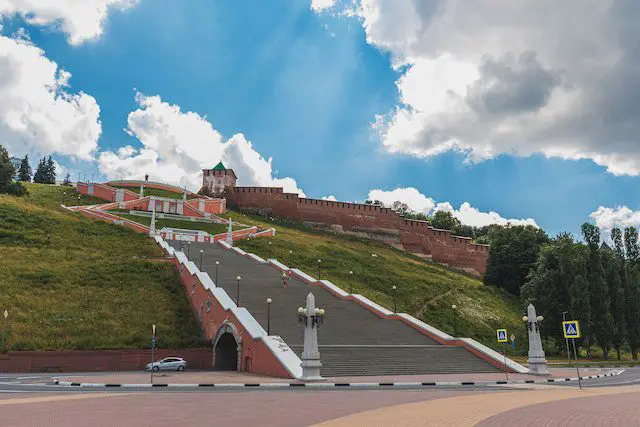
589	281
11	180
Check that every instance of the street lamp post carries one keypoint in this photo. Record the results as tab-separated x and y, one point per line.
238	278
270	251
351	281
4	329
268	316
64	196
319	262
201	252
395	302
290	254
455	319
153	348
188	250
217	268
566	340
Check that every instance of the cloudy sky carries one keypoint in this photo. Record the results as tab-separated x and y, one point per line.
496	110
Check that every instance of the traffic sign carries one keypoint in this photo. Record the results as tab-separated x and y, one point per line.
571	329
502	335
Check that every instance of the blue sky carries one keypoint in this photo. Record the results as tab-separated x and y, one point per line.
304	87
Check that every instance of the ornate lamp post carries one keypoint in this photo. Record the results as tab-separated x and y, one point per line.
217	268
268	316
395	300
455	319
238	278
537	361
312	317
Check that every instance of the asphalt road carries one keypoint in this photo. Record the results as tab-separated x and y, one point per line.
43	383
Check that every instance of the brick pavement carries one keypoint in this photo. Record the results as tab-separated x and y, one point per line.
612	410
281	409
472	409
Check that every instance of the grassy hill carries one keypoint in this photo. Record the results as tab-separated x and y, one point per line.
209	227
424	289
153	191
69	282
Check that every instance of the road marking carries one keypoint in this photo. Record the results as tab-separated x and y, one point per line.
43	399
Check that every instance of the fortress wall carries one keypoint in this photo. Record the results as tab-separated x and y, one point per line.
375	221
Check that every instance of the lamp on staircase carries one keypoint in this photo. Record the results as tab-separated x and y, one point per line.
238	278
319	262
455	320
201	252
217	268
395	302
268	316
351	281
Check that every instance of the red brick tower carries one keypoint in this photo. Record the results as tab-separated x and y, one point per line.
216	180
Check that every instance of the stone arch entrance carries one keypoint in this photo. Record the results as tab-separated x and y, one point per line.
227	349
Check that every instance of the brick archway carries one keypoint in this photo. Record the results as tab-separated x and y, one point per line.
224	352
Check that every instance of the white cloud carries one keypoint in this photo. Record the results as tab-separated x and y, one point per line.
609	218
320	5
37	113
467	214
177	145
492	77
81	20
416	201
330	198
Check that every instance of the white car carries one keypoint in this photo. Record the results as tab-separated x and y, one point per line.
167	364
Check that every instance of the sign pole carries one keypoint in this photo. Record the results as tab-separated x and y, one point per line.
153	347
575	355
504	353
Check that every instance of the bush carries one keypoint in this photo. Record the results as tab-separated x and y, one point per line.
15	189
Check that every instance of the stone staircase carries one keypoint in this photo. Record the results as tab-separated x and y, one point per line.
353	340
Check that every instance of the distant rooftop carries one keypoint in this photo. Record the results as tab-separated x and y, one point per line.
219	167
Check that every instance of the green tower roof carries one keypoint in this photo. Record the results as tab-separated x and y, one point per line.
219	167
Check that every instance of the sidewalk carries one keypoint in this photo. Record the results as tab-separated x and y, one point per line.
221	377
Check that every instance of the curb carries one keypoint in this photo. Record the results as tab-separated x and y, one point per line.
280	386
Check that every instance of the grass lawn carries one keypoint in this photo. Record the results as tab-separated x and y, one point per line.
51	196
70	282
154	192
425	290
209	227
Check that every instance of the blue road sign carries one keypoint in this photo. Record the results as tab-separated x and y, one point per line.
571	329
502	335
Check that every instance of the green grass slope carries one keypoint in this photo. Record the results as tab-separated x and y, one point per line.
70	282
209	227
152	192
425	290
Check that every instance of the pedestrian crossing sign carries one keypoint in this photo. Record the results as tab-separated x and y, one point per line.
571	329
502	335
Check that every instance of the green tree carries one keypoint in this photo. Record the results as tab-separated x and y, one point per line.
50	174
513	253
7	171
400	207
601	318
551	282
24	173
580	308
613	266
444	220
41	171
632	289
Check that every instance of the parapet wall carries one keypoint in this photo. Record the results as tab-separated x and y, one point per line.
377	222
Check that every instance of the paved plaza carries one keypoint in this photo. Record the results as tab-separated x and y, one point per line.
606	406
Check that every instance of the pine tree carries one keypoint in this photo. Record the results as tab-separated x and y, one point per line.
50	177
24	173
600	303
40	174
632	289
613	263
7	171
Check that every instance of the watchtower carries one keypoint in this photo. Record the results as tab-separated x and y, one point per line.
216	180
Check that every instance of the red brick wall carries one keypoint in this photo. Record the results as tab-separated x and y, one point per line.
415	236
98	360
